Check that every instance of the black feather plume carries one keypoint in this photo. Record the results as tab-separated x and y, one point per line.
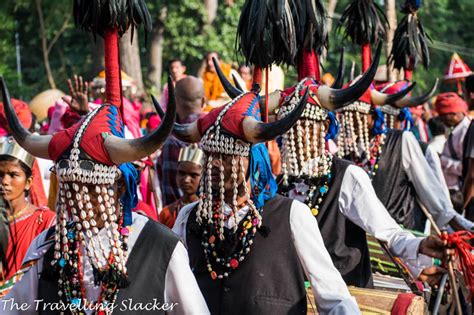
274	31
410	42
364	22
310	21
266	33
96	16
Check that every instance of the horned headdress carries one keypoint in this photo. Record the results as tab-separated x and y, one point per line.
91	157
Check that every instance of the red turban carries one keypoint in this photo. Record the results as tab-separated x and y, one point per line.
22	111
450	103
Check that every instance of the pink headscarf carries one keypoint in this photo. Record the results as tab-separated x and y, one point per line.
60	108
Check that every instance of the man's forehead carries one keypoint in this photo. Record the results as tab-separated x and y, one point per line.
189	166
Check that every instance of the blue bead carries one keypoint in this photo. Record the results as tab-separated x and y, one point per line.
75	301
70	235
323	190
62	262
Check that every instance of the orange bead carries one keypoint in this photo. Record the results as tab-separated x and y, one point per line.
212	239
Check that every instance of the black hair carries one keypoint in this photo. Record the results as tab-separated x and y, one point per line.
212	52
25	168
175	60
436	126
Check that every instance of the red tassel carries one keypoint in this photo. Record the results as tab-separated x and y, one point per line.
366	57
460	241
317	71
112	68
408	74
307	65
257	75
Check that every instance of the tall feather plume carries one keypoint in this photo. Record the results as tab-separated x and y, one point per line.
310	21
266	33
410	42
96	16
364	22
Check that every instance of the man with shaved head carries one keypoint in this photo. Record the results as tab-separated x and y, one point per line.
189	98
189	93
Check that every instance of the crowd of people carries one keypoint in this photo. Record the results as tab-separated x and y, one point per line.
227	198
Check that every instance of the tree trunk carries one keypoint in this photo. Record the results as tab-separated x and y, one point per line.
391	12
331	9
130	59
211	8
156	50
44	45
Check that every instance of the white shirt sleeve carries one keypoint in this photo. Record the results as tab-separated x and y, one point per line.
181	287
433	159
330	291
359	203
427	187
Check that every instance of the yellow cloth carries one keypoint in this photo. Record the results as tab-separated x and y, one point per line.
213	88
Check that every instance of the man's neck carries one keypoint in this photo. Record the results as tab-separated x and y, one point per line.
182	117
189	198
241	199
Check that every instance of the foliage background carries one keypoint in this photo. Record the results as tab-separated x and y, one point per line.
188	36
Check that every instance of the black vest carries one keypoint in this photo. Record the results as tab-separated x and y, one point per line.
345	241
269	281
391	183
146	265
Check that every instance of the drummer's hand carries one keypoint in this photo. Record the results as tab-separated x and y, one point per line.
432	275
433	246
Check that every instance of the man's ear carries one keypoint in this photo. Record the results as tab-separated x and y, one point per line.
28	183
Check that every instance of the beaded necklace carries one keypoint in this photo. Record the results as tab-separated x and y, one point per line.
371	164
219	263
314	187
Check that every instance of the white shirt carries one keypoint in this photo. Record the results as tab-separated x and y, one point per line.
453	167
359	203
180	285
330	291
434	161
437	143
427	186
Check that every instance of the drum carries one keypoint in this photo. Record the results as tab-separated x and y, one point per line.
380	302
